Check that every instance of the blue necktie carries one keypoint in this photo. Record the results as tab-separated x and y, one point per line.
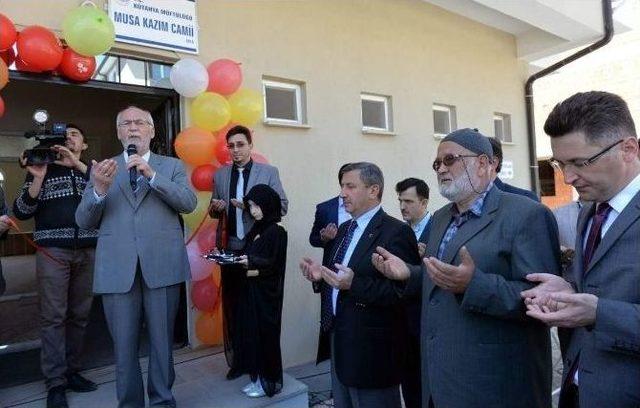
326	312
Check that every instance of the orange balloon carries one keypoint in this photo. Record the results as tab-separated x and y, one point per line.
205	328
4	74
1	107
196	146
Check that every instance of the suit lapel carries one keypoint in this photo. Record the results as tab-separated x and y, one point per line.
226	181
629	215
253	176
425	232
122	179
473	226
583	221
368	237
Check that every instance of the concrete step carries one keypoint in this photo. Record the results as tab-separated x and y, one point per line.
200	383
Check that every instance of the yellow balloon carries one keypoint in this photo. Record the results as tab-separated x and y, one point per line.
210	111
246	107
193	219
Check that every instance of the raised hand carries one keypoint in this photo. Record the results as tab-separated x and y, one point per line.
453	278
311	270
103	174
390	265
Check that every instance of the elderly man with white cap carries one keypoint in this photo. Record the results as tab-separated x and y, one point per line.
478	347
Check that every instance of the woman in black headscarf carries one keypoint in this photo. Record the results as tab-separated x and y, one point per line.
260	306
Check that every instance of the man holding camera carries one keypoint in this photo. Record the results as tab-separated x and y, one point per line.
64	262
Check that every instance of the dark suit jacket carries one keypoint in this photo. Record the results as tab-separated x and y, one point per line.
479	349
508	188
609	351
326	213
369	324
414	304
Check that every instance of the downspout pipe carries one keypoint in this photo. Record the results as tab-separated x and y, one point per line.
607	15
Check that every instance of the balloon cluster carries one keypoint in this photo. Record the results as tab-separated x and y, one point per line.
218	104
87	31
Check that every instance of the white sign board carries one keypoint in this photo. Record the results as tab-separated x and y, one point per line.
166	24
506	172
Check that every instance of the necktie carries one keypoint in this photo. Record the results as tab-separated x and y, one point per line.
239	197
594	237
326	305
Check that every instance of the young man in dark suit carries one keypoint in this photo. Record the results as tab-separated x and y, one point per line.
329	216
413	197
369	328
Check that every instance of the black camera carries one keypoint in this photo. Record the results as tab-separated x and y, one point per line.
47	138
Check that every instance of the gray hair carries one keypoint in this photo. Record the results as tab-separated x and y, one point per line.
370	174
148	118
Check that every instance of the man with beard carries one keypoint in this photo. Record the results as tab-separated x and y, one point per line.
479	349
64	264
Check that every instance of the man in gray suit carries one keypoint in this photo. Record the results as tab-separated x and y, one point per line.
594	143
141	258
478	347
231	182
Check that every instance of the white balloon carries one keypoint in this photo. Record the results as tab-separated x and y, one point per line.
189	77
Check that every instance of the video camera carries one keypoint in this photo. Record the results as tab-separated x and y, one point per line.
42	152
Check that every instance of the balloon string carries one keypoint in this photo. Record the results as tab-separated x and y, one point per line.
44	252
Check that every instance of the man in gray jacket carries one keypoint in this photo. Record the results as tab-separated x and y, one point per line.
141	258
594	143
478	347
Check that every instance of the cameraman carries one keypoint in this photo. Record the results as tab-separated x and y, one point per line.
64	264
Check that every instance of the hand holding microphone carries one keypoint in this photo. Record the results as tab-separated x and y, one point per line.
137	164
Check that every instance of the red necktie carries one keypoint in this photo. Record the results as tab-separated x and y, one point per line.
602	212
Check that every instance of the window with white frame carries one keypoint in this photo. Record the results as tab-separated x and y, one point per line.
376	112
284	102
502	127
444	119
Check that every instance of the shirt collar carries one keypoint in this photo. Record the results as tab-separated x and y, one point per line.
246	166
422	223
476	207
624	197
363	219
145	156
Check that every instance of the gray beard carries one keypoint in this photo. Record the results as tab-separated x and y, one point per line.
457	190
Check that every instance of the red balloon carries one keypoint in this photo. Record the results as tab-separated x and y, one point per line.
39	48
8	33
225	76
259	158
8	56
200	267
23	66
1	107
222	151
204	295
77	67
202	177
206	237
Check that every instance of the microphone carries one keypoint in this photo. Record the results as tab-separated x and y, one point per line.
133	172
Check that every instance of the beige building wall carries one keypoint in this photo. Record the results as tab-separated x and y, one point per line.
408	49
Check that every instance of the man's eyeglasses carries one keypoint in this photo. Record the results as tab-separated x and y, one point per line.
579	164
449	160
137	122
238	145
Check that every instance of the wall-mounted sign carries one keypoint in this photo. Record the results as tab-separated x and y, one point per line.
506	172
170	25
